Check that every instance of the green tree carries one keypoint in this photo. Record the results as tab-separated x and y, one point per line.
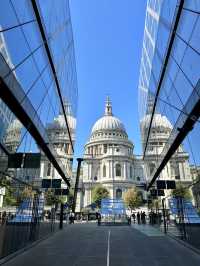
155	204
133	198
25	193
10	198
51	198
181	191
98	193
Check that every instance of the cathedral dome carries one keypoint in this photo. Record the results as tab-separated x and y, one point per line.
108	121
59	121
159	121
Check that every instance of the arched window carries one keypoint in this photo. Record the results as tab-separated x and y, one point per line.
104	171
118	193
118	169
131	172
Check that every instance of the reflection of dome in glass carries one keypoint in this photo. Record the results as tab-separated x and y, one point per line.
108	121
15	125
59	122
159	121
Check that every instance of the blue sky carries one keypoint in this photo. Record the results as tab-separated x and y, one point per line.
108	37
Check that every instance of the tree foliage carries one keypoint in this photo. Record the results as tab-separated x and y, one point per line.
51	198
181	191
9	198
98	193
27	192
133	198
155	204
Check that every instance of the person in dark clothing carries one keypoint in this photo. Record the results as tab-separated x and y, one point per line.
154	218
138	218
133	216
143	217
3	218
71	218
99	219
151	217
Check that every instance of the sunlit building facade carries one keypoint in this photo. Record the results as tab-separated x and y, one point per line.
109	158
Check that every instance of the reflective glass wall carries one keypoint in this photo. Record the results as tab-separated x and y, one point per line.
169	108
169	74
38	107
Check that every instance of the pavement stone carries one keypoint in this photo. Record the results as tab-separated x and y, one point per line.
87	244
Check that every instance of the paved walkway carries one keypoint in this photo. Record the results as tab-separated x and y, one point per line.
88	244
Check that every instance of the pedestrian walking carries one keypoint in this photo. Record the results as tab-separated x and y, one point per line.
99	219
143	217
3	218
133	216
138	218
71	218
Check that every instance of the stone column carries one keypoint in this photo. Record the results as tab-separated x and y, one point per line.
124	175
90	196
88	171
91	166
86	197
187	170
111	169
183	170
42	169
100	171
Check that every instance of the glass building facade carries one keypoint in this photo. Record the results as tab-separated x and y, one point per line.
38	106
169	109
6	115
169	81
38	65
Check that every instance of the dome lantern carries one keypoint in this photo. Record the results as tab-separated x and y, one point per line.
108	122
108	107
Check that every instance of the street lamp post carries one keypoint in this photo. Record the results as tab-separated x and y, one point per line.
77	183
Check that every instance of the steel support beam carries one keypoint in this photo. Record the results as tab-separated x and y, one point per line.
4	149
77	182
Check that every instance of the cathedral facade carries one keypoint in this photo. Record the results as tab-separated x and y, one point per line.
109	158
